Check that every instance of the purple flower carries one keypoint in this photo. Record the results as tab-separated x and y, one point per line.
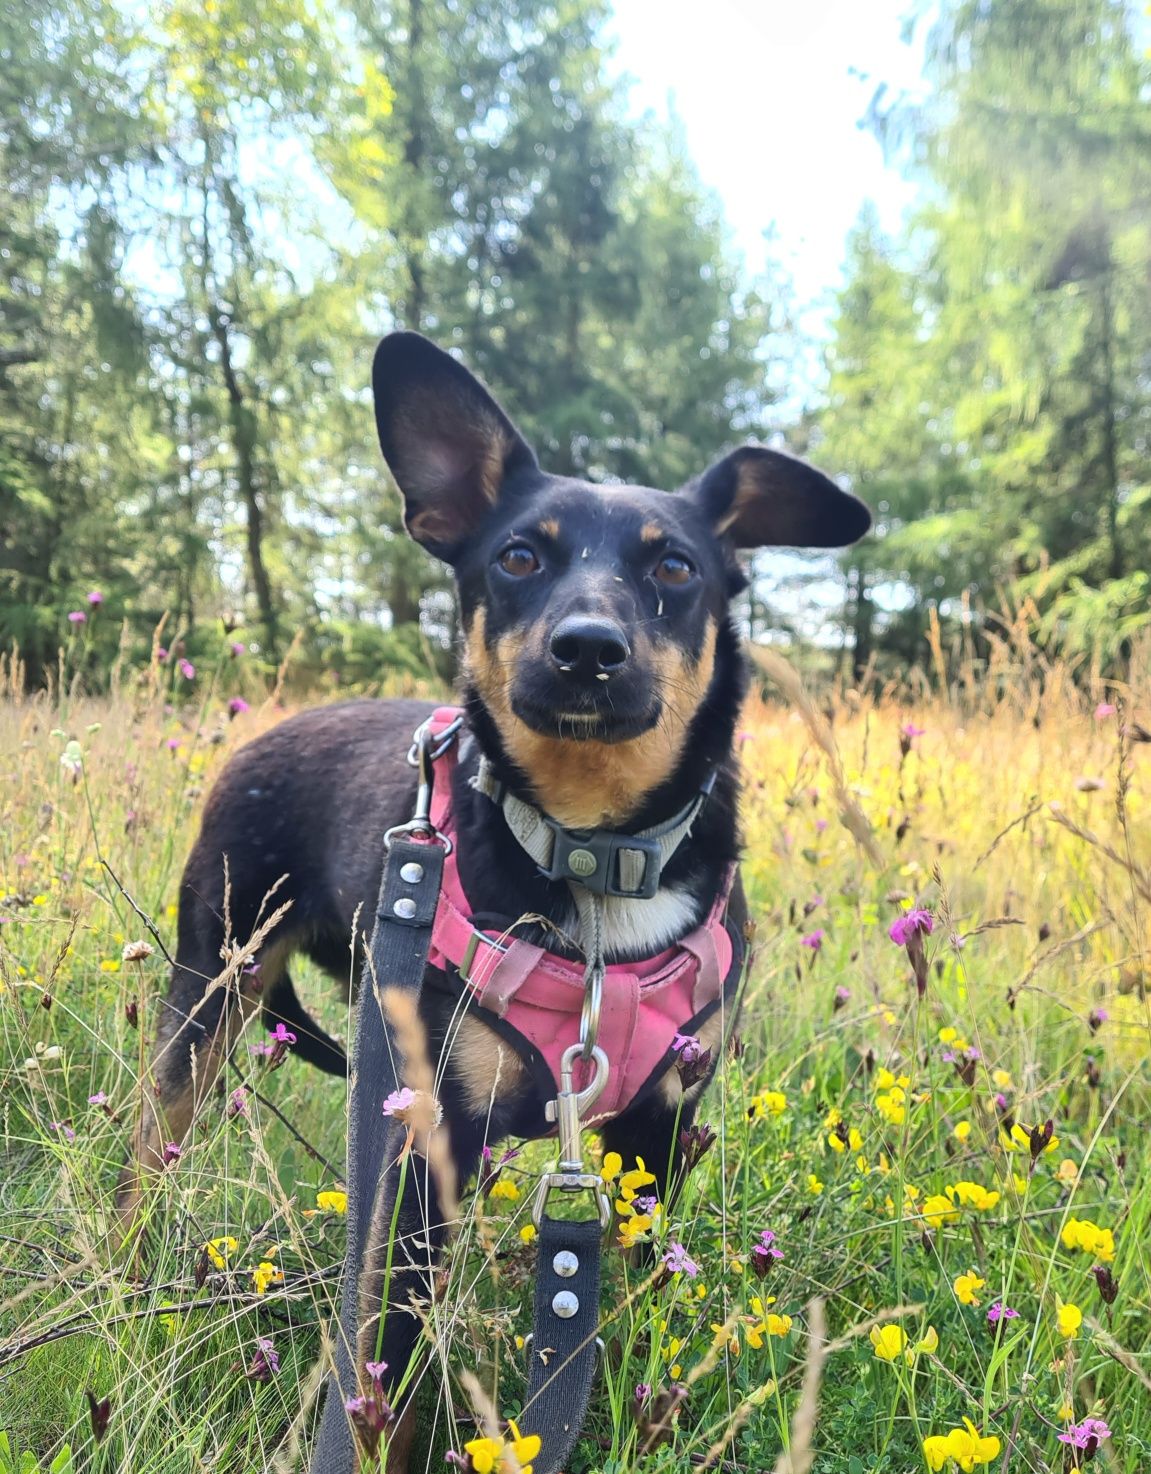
98	1099
909	729
1087	1435
237	1103
238	648
95	598
187	670
63	1128
77	616
175	743
376	1370
904	929
1096	1019
1104	710
1000	1312
266	1361
642	1392
814	939
677	1260
693	1060
842	994
173	1151
763	1254
161	655
688	1047
282	1034
820	825
647	1203
237	705
399	1101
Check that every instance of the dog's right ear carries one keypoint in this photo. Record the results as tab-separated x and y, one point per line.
447	442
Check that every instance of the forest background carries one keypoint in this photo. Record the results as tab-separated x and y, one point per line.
214	208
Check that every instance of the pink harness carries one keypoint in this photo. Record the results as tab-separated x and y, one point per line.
539	995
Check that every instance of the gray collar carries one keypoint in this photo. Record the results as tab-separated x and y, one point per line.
603	861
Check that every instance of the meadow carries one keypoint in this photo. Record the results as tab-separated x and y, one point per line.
916	1235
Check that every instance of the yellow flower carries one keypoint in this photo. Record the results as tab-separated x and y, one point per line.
1081	1233
527	1233
814	1186
730	1338
505	1188
966	1446
835	1143
890	1106
632	1229
769	1103
612	1166
939	1210
974	1195
966	1286
778	1325
110	964
638	1177
1067	1172
332	1201
1065	1413
487	1454
218	1250
948	1036
1001	1080
928	1345
884	1080
265	1274
484	1452
889	1341
935	1451
1068	1319
962	1130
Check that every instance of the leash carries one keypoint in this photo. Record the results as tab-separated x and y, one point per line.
563	1345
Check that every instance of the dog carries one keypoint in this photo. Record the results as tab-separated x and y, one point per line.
602	678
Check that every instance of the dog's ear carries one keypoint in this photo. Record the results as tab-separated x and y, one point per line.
447	442
763	498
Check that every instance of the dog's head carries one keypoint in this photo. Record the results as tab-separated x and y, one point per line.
595	617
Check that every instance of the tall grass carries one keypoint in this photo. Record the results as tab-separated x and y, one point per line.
1003	804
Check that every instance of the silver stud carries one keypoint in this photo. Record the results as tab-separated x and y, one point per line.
405	907
565	1304
603	675
565	1264
411	872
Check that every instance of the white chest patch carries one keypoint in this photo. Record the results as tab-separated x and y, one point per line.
643	928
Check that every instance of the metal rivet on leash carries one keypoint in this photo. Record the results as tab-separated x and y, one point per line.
565	1304
565	1264
405	907
411	872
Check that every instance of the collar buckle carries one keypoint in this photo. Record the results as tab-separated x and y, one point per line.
601	861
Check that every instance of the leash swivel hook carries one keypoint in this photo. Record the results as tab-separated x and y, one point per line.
567	1111
425	749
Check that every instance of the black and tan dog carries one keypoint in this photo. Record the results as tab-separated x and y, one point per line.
602	681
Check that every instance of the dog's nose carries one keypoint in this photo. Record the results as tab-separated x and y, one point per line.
588	645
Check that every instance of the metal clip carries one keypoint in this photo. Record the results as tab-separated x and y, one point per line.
566	1111
421	756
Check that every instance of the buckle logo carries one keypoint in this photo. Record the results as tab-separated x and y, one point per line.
582	862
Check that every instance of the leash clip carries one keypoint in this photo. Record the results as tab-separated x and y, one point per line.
422	755
566	1110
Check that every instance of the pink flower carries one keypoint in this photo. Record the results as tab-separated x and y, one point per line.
678	1261
399	1100
237	705
173	1151
95	598
98	1099
1104	710
820	825
1087	1435
910	924
909	729
814	939
187	670
237	648
77	616
175	743
1000	1312
237	1103
266	1362
63	1128
688	1047
161	655
375	1369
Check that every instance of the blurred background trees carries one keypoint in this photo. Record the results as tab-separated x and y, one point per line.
213	209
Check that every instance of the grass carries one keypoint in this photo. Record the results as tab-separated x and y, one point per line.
1018	818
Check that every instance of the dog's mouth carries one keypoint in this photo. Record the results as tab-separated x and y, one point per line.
598	720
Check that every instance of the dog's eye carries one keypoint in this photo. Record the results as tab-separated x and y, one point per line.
672	569
518	560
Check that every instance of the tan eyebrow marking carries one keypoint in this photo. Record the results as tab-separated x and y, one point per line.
549	527
652	532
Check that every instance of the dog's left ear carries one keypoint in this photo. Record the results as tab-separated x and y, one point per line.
447	442
763	498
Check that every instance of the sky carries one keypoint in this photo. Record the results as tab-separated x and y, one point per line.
769	94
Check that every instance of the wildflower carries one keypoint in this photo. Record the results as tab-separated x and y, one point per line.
136	951
1086	1437
1107	1283
916	922
187	669
813	939
95	598
98	1099
909	729
63	1128
175	744
487	1454
998	1313
763	1253
237	648
237	706
891	1107
173	1151
965	1445
376	1370
77	616
694	1144
99	1413
370	1416
889	1341
938	1210
1096	1019
974	1195
266	1361
527	1233
842	996
218	1250
814	1186
631	1182
962	1130
275	1047
966	1286
161	655
885	1080
678	1261
504	1188
1068	1319
778	1325
332	1200
634	1226
237	1103
1067	1172
767	1103
1081	1233
1104	710
265	1274
693	1061
612	1166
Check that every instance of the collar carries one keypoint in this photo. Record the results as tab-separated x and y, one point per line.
606	862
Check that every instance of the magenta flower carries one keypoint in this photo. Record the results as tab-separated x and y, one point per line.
237	1103
173	1151
1000	1312
904	928
693	1060
95	598
814	939
763	1254
77	616
909	729
1104	710
98	1099
63	1128
161	655
399	1100
175	743
266	1361
1097	1018
375	1370
187	670
1087	1435
679	1262
237	705
238	648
